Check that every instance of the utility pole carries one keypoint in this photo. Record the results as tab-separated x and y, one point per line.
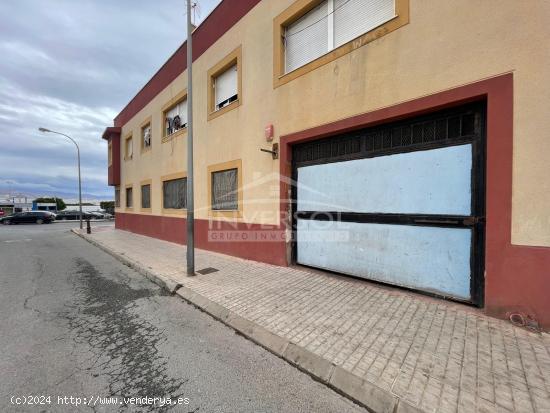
78	157
190	183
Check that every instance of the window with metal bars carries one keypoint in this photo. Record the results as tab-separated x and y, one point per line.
129	197
146	196
225	190
174	194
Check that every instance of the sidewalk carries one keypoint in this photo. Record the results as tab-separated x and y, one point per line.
388	349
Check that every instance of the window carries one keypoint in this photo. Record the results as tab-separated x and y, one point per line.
117	197
129	197
175	118
146	196
225	88
310	29
224	85
110	153
174	193
146	136
225	190
128	148
331	24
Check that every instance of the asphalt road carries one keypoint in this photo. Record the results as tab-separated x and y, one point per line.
76	322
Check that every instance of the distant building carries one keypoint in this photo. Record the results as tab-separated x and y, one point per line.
14	203
44	206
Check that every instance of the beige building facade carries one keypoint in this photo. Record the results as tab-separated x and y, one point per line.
427	58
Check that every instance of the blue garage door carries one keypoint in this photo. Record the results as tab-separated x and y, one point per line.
400	204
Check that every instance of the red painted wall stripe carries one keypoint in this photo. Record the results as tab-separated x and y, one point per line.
265	243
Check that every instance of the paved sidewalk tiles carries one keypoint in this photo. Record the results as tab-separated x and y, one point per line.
386	348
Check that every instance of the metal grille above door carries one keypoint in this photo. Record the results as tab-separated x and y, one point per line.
401	203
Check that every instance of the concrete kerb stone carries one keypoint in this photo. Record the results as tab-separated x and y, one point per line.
342	381
367	394
308	361
168	284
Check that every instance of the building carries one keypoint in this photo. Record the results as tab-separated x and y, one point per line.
416	132
44	206
14	203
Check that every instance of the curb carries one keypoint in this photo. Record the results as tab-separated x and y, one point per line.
168	284
364	393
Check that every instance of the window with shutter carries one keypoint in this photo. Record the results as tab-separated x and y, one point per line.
226	87
129	148
175	118
329	25
174	193
225	190
307	38
352	18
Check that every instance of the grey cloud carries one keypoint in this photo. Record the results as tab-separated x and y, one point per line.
71	66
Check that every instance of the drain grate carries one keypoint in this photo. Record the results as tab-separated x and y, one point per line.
207	270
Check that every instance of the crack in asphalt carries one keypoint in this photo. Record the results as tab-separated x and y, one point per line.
126	346
40	271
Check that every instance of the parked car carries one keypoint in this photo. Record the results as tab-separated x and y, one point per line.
38	217
101	214
72	215
2	213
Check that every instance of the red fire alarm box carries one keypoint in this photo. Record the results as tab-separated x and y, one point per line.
269	132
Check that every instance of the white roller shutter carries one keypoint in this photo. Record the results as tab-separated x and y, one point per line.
352	18
307	38
226	85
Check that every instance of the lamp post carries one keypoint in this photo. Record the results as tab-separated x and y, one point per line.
78	156
190	199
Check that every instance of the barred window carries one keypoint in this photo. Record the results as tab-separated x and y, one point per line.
174	193
117	197
129	197
146	196
224	190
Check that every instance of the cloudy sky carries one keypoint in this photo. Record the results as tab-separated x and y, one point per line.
71	66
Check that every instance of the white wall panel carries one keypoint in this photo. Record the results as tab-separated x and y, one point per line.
424	258
436	181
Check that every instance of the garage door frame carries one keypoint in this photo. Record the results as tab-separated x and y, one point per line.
359	144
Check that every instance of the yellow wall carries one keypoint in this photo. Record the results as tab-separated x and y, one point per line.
445	45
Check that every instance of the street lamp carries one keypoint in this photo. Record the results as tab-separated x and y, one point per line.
78	156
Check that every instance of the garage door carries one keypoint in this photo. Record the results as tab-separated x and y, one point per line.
401	203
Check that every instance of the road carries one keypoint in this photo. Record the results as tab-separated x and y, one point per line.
76	322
